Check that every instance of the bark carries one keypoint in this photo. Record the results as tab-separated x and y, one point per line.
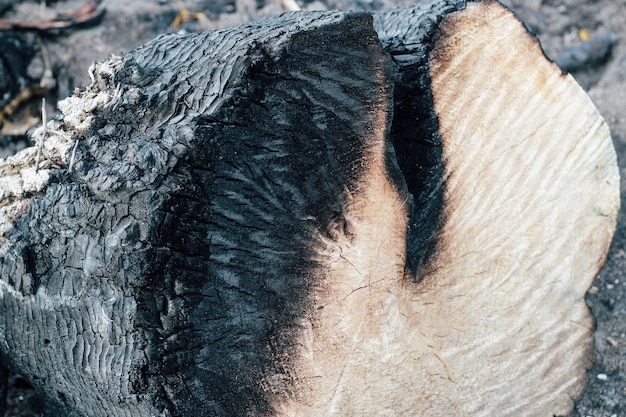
4	381
195	191
296	217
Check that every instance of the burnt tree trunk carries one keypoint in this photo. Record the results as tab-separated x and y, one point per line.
321	213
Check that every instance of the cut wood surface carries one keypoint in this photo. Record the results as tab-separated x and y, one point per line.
316	214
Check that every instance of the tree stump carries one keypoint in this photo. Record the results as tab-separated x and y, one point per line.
315	214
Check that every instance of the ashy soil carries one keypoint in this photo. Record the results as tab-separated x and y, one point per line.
587	37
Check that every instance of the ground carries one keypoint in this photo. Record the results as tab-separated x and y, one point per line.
559	24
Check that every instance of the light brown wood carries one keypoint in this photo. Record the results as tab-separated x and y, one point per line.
498	325
532	194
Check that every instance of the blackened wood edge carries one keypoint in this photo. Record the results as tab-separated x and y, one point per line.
408	35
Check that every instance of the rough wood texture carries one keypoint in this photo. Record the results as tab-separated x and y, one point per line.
4	381
529	214
315	214
172	267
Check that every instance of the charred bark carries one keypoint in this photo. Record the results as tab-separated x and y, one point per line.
255	221
4	382
168	272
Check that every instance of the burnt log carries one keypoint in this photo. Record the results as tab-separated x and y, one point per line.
321	213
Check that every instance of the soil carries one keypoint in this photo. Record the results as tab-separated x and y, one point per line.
562	26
